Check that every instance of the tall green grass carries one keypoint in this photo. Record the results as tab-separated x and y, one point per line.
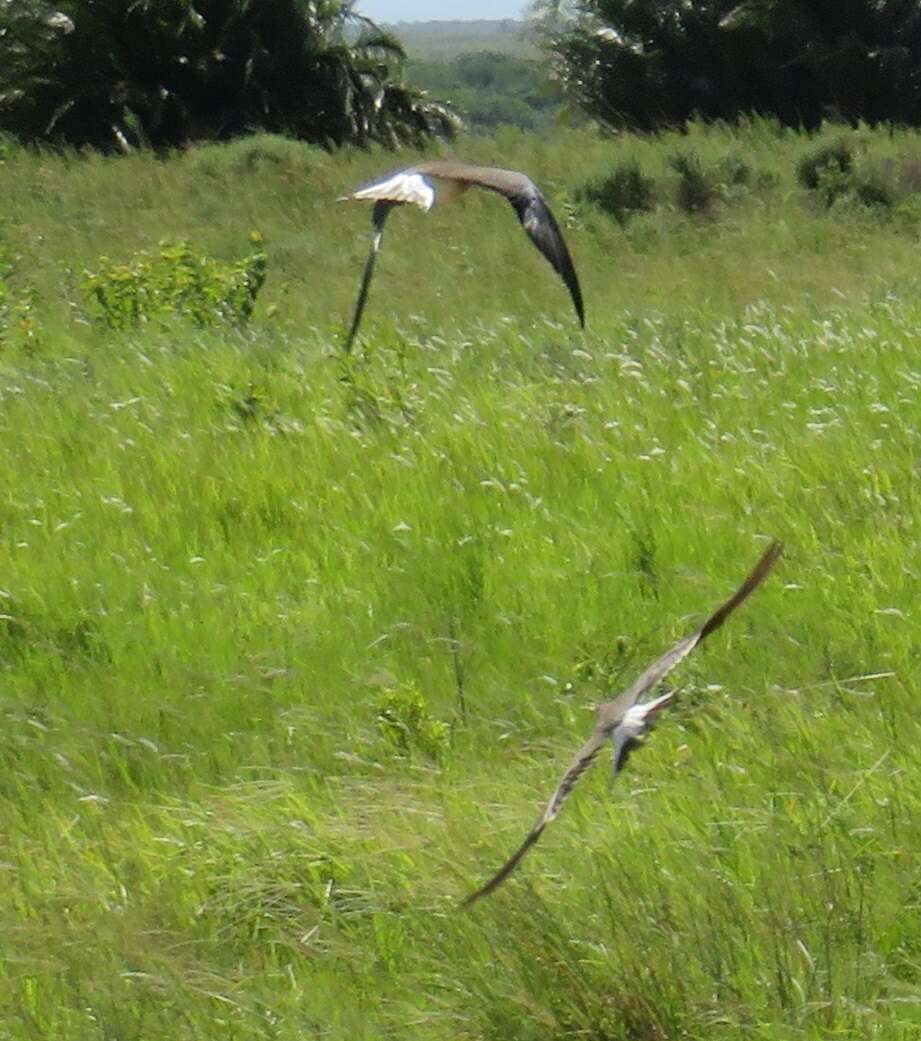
223	551
442	272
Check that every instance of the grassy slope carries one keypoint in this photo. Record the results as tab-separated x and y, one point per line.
202	833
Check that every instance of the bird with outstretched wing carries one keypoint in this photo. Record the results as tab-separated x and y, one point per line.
625	720
440	181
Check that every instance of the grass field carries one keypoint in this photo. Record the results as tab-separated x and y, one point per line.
243	580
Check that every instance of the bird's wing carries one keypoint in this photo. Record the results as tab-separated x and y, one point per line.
544	232
582	761
532	210
611	715
378	218
612	712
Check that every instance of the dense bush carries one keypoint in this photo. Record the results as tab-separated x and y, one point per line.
175	282
835	159
621	193
626	190
118	73
696	191
833	174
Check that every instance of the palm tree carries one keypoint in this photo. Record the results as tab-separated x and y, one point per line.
646	63
117	73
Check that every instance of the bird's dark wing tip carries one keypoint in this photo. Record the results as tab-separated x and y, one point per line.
541	227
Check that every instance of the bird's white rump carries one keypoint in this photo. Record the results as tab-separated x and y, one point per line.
402	187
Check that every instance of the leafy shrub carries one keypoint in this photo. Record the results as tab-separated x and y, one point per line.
404	722
833	173
696	193
175	282
733	178
734	171
626	190
827	171
875	190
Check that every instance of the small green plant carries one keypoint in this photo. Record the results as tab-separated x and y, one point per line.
250	404
733	170
837	158
176	282
828	171
626	190
734	177
695	193
404	721
19	327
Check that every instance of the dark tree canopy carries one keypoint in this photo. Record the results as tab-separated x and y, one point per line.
647	63
115	73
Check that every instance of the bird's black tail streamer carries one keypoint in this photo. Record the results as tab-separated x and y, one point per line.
378	217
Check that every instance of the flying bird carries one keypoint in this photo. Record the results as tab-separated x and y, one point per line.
441	181
625	720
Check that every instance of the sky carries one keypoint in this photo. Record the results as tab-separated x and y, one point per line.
439	10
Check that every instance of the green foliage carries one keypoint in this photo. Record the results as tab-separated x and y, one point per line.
404	721
115	74
695	193
20	328
71	211
653	63
213	565
176	282
489	89
624	191
833	173
734	176
834	161
875	192
627	191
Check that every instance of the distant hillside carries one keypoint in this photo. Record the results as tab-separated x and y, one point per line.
442	41
489	71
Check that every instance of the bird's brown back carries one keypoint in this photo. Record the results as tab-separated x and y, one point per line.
508	182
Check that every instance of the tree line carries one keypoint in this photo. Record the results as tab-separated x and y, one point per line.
119	74
116	74
648	63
